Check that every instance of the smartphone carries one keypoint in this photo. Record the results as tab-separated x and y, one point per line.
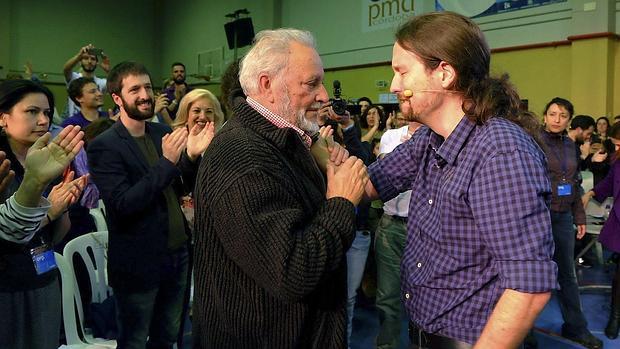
96	52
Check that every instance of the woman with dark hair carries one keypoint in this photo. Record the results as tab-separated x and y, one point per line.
610	234
372	123
602	128
29	291
566	210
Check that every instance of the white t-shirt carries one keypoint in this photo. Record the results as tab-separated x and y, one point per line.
71	107
398	206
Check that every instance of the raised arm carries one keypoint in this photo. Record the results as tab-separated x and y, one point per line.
71	62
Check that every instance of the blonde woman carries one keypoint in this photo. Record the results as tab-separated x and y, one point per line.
199	107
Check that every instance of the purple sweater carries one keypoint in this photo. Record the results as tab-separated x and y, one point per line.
610	186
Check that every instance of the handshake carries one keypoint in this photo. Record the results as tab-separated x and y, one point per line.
346	175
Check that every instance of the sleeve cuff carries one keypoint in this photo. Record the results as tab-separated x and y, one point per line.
528	276
44	206
339	214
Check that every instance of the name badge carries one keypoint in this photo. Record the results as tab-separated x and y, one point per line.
43	259
564	189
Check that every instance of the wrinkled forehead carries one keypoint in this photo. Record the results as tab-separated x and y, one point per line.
305	62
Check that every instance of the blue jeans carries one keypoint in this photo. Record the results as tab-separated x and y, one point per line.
356	262
575	323
390	240
155	313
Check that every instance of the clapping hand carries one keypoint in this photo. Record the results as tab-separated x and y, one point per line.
161	102
199	139
172	144
46	160
6	174
65	194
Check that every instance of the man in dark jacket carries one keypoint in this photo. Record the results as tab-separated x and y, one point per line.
141	170
271	232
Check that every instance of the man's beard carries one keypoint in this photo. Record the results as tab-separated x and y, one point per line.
88	70
135	113
285	111
179	80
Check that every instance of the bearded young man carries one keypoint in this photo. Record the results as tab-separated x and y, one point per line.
175	92
142	170
477	266
271	232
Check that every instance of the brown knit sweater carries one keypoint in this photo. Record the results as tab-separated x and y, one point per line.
270	263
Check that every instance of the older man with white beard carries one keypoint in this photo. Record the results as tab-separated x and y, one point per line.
271	231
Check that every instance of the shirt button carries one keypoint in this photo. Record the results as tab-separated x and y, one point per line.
419	265
430	201
407	295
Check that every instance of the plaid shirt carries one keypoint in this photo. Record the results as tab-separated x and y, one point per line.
478	222
278	121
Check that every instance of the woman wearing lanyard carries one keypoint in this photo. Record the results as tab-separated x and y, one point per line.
566	210
29	287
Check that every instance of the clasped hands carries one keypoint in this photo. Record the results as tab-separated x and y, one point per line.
346	175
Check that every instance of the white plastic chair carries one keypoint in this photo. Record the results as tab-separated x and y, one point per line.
92	249
98	213
587	180
70	321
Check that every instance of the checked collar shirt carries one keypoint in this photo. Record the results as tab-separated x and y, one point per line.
478	222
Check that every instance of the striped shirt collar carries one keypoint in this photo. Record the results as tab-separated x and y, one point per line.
278	121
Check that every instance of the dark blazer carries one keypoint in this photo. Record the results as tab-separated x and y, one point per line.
137	214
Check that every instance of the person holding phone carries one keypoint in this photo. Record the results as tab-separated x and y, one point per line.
88	57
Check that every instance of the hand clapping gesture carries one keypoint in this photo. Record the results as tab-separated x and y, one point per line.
65	194
44	161
199	139
173	144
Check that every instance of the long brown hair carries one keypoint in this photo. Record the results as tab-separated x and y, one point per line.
455	39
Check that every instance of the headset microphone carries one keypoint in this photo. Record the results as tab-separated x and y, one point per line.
409	93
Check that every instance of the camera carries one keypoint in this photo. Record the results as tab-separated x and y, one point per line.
339	105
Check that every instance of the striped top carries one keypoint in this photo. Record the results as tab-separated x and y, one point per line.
18	223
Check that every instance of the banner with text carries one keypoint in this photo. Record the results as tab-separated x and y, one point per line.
382	14
480	8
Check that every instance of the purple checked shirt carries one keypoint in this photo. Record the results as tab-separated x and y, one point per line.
478	222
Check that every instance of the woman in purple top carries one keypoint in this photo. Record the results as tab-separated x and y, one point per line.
610	234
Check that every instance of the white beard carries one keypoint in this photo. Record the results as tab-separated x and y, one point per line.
285	111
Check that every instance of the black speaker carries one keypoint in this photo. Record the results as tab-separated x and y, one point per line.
244	29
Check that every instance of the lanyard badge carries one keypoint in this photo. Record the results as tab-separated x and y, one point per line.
43	259
565	189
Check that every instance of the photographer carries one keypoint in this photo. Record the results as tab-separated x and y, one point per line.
88	57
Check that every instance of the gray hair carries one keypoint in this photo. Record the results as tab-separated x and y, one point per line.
269	55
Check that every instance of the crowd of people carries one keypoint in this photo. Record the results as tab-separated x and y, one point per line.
275	206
